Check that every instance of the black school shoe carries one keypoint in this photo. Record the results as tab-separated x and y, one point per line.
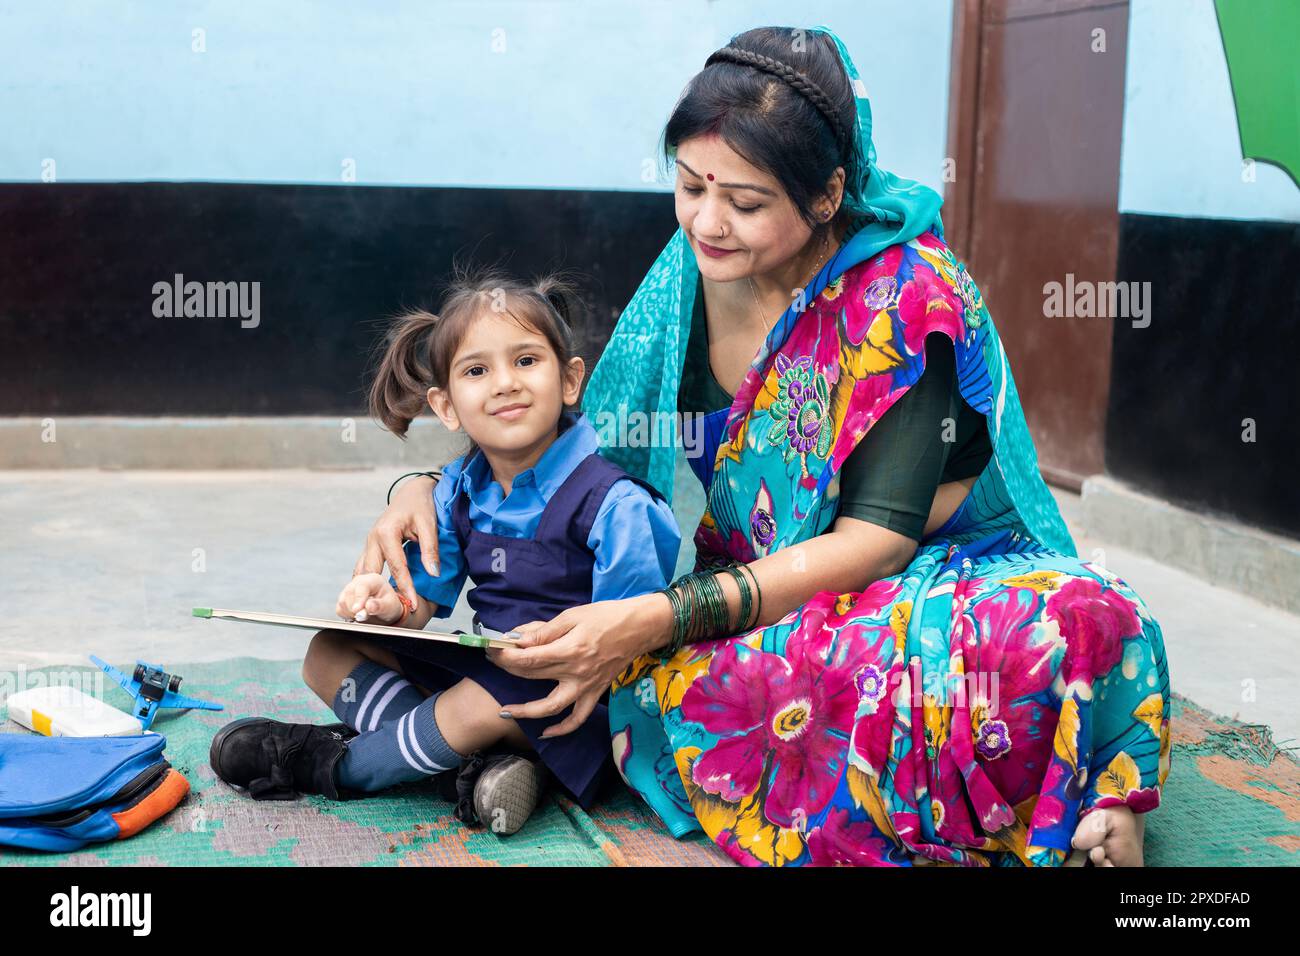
499	790
278	761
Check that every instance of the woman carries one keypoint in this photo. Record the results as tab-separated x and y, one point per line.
888	653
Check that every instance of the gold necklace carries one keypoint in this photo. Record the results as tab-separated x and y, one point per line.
754	289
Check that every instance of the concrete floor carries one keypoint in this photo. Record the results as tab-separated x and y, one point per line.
111	562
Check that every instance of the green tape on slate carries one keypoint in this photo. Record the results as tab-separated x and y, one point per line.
202	612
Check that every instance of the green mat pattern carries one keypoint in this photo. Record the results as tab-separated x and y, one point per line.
405	826
1231	799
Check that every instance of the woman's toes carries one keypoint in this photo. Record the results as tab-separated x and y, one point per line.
1111	837
1124	851
1092	830
1123	844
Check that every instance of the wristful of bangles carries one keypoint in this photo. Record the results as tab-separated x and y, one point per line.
700	611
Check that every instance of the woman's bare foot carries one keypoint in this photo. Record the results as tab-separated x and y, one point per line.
1111	836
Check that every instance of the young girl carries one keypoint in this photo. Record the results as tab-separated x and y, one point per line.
532	514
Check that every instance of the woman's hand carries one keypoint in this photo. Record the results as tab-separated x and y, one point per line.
411	516
583	649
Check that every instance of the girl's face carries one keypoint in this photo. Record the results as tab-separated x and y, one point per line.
506	387
738	218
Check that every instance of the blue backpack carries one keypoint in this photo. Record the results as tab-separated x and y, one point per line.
60	793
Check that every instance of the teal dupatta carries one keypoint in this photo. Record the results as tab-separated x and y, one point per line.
637	377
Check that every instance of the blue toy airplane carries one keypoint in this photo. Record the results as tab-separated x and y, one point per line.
152	688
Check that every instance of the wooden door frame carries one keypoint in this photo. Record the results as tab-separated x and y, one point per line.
965	82
963	116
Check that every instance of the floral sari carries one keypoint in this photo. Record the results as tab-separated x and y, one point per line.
966	711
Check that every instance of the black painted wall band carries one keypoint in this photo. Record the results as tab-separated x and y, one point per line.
85	332
84	329
1219	354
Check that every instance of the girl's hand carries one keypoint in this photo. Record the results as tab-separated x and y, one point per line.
583	649
369	597
411	517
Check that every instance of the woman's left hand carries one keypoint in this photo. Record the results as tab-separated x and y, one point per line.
583	649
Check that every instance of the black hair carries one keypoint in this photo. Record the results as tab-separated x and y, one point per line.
779	97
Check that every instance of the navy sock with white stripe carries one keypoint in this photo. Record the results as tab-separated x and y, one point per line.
371	695
409	748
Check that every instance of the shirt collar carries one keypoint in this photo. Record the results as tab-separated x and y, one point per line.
576	440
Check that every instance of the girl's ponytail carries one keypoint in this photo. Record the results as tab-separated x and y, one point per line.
405	373
563	296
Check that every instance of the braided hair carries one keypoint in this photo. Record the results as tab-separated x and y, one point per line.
781	99
800	82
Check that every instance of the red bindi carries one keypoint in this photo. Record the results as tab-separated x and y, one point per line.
710	176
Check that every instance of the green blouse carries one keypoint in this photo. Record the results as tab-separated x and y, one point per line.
890	478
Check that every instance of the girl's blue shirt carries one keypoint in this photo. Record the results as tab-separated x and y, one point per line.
628	517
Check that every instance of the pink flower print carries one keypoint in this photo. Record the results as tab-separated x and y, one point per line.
711	547
791	713
877	598
1093	620
841	842
885	263
927	304
1011	664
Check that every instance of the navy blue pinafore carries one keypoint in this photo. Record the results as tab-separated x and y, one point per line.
517	580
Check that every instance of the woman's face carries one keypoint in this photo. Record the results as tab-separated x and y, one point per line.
738	218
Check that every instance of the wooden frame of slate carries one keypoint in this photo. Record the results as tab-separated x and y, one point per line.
322	624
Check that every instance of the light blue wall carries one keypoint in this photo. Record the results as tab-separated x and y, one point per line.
1181	151
414	92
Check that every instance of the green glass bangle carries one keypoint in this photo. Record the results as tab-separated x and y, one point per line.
700	611
681	619
696	604
674	640
718	626
716	620
758	592
746	597
710	598
746	601
692	602
691	605
726	611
